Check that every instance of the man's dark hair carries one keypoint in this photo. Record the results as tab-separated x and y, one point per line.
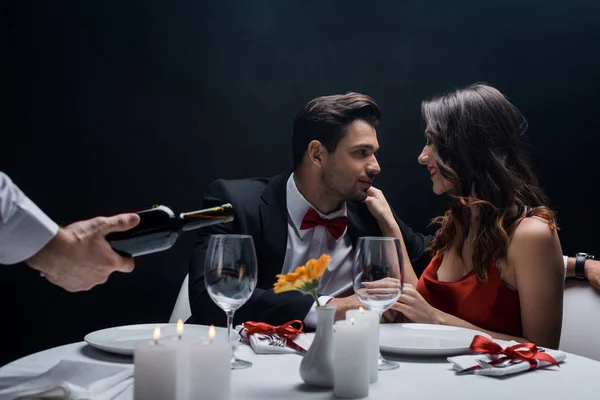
327	118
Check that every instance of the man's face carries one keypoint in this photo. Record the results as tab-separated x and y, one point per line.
348	172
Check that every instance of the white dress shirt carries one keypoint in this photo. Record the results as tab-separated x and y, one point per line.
302	245
24	228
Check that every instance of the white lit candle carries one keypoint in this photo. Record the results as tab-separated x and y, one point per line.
179	329
351	359
181	345
372	319
155	374
210	367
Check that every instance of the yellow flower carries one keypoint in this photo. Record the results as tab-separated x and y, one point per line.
282	286
317	267
304	279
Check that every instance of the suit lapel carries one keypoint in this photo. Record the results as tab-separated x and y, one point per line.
355	228
360	223
274	223
273	217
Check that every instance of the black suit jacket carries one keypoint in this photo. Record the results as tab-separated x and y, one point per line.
260	210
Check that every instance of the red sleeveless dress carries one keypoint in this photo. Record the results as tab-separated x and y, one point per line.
490	305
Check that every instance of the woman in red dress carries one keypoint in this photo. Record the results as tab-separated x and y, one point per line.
497	264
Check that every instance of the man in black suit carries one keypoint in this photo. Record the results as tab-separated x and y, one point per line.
295	216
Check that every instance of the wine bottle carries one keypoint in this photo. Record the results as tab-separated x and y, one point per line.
159	228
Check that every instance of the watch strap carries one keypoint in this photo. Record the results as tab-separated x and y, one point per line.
580	265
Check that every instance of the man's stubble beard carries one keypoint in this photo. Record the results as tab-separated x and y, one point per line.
333	189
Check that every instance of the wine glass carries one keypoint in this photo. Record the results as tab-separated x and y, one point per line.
230	274
378	277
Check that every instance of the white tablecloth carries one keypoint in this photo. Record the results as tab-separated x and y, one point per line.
276	377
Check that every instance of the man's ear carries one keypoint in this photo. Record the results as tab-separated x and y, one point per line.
316	152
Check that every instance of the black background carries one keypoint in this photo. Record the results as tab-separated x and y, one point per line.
117	105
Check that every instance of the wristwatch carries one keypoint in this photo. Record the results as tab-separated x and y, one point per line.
580	264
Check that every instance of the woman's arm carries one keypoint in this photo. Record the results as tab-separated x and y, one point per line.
379	207
416	309
536	257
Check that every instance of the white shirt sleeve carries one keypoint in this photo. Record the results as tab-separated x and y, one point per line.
24	228
310	320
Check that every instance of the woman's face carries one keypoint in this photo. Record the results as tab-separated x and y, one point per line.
427	158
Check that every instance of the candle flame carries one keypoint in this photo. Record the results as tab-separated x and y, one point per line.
212	332
362	310
352	321
180	327
156	334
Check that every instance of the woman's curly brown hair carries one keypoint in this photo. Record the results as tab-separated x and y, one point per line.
479	143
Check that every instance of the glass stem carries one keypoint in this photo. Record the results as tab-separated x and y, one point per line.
378	329
229	323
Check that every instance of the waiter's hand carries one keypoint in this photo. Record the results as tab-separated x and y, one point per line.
79	257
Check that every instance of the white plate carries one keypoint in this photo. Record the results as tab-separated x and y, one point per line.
123	339
425	339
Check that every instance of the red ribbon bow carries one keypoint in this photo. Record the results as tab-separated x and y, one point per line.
481	344
335	226
286	330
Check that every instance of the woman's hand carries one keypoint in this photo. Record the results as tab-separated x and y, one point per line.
378	205
415	308
392	317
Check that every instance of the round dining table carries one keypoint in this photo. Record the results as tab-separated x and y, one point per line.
276	376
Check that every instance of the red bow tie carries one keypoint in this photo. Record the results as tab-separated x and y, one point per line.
335	226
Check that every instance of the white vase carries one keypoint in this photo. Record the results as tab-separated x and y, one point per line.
316	368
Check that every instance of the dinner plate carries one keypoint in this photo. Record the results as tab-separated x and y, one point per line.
123	339
426	339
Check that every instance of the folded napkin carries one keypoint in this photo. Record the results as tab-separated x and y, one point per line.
268	339
523	356
75	380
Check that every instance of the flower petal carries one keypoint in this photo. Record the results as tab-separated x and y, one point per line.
305	278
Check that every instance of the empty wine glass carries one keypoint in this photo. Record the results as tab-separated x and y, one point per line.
378	277
230	274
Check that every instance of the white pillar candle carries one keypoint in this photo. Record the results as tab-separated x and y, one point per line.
181	345
210	367
372	319
155	373
351	359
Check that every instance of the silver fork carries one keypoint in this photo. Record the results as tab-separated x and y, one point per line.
277	341
503	364
486	365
